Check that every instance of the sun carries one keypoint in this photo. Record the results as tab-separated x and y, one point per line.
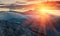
45	8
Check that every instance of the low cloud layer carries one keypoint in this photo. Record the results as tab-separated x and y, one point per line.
24	1
24	4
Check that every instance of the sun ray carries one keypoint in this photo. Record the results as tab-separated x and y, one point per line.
45	12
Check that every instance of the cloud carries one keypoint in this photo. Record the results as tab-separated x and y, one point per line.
20	1
24	4
24	1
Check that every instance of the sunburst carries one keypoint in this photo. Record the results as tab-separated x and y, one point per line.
45	12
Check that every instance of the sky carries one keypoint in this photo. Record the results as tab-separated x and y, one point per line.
24	2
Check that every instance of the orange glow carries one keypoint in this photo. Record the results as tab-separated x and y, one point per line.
45	12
